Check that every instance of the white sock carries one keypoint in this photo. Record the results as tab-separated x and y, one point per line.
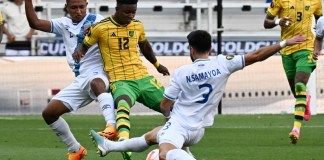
188	151
106	103
62	130
178	154
137	144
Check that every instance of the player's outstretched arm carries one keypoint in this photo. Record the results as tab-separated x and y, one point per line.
317	47
80	52
265	52
165	107
147	51
34	22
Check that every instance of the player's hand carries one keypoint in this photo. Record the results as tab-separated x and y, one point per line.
285	21
296	40
77	55
163	70
316	54
86	30
11	38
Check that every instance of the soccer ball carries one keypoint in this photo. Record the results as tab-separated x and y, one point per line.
153	155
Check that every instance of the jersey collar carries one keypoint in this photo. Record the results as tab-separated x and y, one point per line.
200	60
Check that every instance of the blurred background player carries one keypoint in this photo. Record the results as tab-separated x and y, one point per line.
319	38
118	37
195	97
91	81
17	29
1	27
296	17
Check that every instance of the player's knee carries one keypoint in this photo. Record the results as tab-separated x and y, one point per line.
300	87
98	85
123	100
151	136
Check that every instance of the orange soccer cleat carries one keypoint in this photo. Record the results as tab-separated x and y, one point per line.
78	155
110	132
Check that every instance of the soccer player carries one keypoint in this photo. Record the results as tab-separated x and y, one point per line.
196	89
118	37
1	27
319	38
296	17
91	81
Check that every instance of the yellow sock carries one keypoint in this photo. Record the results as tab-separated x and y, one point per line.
300	104
122	119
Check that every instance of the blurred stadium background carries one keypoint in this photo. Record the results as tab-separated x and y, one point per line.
27	83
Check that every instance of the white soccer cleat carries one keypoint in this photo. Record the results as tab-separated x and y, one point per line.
100	142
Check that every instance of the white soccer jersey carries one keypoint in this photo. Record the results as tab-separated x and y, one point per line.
197	89
70	32
320	27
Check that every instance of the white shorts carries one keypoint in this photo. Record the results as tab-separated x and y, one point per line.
175	134
78	94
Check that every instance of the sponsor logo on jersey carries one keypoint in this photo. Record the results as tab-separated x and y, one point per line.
229	57
131	33
307	8
113	34
292	7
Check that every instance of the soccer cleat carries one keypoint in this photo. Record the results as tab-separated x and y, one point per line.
126	155
307	114
99	141
78	155
294	136
110	132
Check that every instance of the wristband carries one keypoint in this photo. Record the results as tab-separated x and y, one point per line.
283	44
277	21
156	64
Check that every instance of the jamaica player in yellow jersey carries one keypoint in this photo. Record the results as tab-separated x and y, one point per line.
118	37
294	17
1	27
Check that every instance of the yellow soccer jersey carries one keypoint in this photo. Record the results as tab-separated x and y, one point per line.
1	19
301	12
118	47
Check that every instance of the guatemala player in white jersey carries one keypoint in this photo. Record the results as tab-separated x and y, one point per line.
90	82
196	89
71	32
319	38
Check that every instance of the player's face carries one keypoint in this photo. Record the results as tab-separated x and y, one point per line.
125	13
77	9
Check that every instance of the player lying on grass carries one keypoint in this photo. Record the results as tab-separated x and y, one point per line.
196	89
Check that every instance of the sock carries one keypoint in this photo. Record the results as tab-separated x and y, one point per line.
123	123
178	154
300	105
106	103
137	144
62	130
186	149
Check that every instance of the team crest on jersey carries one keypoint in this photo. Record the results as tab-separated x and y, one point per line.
131	33
229	57
307	8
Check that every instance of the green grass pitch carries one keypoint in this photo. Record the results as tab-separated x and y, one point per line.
233	137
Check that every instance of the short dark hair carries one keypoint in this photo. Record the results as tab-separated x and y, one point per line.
127	1
200	40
